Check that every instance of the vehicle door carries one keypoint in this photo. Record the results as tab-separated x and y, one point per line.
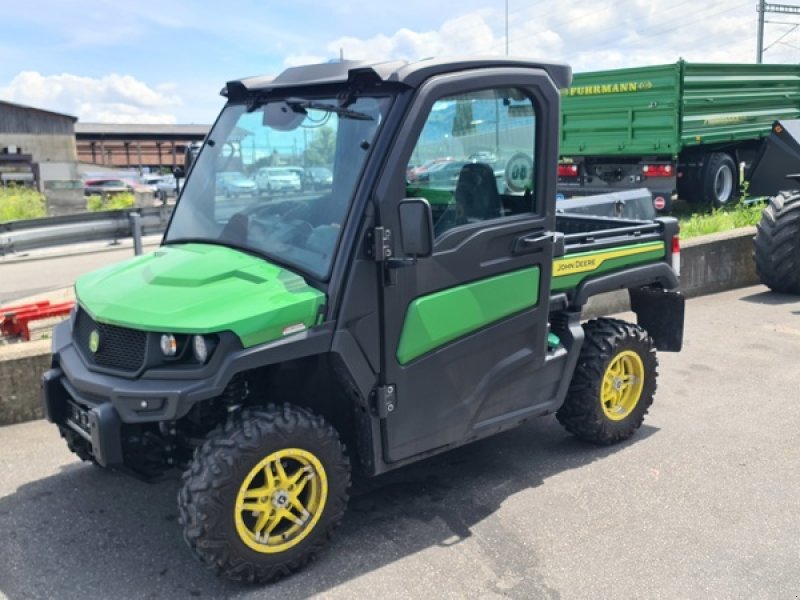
465	330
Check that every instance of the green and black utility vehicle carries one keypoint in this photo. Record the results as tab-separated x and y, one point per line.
271	346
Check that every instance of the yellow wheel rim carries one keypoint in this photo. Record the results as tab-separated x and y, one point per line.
281	500
622	385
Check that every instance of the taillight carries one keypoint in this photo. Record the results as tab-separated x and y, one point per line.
658	170
676	254
567	170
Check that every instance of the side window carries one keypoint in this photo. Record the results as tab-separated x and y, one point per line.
474	159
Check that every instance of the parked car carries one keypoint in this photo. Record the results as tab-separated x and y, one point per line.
442	174
419	171
271	180
234	183
150	182
318	178
169	186
301	175
112	185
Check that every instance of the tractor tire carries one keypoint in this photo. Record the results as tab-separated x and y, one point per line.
264	493
720	180
614	382
777	244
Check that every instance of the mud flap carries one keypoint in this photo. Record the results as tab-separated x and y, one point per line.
661	313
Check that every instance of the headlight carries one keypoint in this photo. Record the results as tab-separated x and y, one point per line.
200	348
169	345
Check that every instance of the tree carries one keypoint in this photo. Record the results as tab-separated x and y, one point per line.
322	148
463	123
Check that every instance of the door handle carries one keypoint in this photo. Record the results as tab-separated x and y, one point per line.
533	243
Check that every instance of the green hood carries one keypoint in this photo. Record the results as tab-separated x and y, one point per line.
200	288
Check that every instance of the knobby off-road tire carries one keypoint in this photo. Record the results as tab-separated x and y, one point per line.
613	384
227	504
777	244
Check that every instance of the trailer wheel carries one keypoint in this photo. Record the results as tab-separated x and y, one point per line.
777	244
264	493
720	180
613	384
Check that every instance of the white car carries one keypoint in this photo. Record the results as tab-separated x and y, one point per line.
271	180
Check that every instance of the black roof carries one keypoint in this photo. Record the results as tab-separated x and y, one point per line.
401	72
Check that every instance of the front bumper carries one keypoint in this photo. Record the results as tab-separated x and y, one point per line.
96	405
99	405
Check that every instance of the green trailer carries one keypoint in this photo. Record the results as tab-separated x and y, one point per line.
683	127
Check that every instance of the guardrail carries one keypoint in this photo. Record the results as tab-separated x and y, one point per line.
20	236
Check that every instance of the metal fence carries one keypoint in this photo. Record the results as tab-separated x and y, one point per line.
21	236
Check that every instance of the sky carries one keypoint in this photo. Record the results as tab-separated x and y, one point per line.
165	61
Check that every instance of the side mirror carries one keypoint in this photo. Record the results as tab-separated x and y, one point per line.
179	172
416	227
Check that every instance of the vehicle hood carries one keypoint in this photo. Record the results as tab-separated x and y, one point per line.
201	288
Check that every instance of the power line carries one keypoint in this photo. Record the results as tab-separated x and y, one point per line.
762	9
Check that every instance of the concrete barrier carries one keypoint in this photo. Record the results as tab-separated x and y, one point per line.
21	366
709	264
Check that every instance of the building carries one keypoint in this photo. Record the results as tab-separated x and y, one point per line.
37	147
135	146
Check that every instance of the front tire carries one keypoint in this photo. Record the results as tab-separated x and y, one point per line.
777	244
264	493
614	382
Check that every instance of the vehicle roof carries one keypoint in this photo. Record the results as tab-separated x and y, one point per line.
410	74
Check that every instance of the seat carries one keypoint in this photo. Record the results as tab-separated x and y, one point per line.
476	194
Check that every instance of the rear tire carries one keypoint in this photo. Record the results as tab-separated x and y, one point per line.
613	384
264	493
777	244
720	180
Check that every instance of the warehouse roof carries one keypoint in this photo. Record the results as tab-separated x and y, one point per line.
139	129
40	110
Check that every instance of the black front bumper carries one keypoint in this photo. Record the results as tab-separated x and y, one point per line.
99	425
98	405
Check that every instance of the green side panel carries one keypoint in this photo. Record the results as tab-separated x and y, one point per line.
606	261
200	288
434	320
622	112
660	110
723	103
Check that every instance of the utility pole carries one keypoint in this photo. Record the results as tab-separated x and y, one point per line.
507	27
760	48
762	8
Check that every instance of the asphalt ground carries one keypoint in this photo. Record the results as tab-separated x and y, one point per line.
704	502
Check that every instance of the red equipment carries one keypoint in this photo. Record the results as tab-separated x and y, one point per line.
16	319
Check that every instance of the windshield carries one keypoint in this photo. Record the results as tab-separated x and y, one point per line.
245	190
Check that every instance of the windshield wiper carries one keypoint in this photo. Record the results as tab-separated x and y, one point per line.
300	105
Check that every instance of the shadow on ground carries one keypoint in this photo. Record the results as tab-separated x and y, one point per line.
86	533
771	298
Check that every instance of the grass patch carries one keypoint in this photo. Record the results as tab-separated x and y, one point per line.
742	215
96	202
17	203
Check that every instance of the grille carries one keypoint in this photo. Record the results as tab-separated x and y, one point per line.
120	348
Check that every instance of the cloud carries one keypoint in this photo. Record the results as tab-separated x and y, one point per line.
110	99
601	35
